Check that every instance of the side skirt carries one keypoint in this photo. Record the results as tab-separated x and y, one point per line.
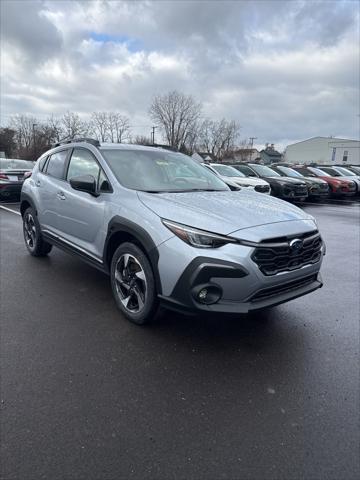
69	248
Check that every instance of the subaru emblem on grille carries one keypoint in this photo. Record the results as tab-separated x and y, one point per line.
296	245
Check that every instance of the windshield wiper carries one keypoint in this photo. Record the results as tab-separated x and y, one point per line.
197	190
184	190
152	191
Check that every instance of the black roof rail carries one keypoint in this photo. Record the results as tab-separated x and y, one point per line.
159	145
92	141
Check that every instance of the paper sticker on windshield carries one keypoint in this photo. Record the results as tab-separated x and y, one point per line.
162	162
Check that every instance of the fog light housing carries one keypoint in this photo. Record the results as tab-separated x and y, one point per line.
207	294
202	294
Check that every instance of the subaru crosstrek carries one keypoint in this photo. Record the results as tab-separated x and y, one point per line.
168	231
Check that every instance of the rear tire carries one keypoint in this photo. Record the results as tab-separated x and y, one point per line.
133	284
36	245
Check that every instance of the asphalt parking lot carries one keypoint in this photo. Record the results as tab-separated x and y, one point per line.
87	395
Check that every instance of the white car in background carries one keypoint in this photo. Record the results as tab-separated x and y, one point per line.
226	172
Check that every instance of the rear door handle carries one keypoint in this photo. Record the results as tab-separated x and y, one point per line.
61	196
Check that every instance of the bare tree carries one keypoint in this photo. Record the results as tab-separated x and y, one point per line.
177	114
191	140
141	140
118	127
73	125
100	125
32	136
7	141
24	126
218	137
54	125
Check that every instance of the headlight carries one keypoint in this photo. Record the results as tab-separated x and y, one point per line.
198	238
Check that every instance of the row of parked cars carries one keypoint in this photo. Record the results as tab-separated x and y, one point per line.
292	182
288	182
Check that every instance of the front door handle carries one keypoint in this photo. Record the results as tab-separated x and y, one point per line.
61	196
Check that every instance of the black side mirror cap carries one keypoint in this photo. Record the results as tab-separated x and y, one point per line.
84	183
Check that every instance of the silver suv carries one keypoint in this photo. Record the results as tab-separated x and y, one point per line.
168	231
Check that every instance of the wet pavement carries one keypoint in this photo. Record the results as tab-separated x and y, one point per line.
87	395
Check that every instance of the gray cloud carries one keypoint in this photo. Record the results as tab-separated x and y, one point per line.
23	27
284	70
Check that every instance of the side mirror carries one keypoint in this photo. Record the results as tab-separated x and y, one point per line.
84	183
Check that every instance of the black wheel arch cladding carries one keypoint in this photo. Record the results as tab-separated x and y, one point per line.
120	224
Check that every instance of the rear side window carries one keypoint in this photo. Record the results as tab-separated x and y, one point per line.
56	164
83	163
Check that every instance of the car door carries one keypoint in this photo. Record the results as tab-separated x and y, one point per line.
80	214
48	183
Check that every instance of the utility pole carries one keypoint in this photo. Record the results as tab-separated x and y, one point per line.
33	132
252	141
153	134
251	144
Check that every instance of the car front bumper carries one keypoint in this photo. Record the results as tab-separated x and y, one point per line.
293	195
239	285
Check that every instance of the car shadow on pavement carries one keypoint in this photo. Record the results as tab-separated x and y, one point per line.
257	331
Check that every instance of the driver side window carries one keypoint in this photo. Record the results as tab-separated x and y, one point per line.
82	162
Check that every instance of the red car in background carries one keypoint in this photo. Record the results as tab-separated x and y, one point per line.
338	187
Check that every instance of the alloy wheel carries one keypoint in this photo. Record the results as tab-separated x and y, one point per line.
30	230
130	283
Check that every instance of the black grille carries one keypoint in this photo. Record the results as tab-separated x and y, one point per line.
277	256
278	289
262	188
300	190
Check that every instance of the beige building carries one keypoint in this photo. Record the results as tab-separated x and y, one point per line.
324	150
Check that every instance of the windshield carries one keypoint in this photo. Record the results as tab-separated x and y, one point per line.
10	163
227	171
345	171
319	173
356	169
160	171
245	170
289	172
264	171
332	172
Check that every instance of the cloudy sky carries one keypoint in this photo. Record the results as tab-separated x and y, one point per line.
285	70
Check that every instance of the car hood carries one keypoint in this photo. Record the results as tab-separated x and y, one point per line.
221	212
334	179
284	180
247	181
318	181
351	178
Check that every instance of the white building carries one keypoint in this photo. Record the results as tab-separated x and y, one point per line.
324	150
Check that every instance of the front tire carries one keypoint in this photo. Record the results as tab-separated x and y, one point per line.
133	284
36	245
